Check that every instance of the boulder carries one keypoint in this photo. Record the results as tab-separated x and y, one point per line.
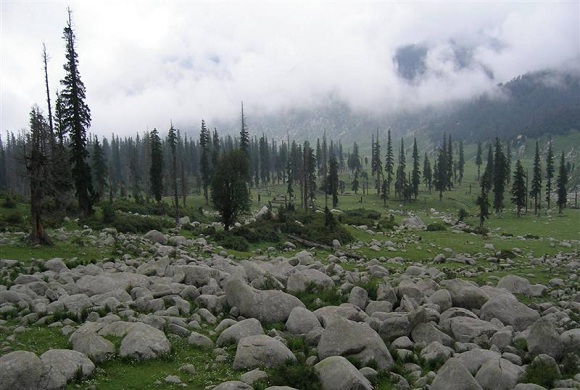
395	325
571	341
268	306
436	351
509	311
475	358
498	374
55	265
454	376
358	296
233	385
22	370
427	333
301	321
413	222
156	236
468	330
233	334
514	284
302	279
200	341
144	342
261	351
337	373
465	294
95	347
544	339
65	365
441	298
346	310
355	340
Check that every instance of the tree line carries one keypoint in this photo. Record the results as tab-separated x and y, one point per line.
61	161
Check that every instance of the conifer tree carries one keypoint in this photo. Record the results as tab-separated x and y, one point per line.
549	173
536	189
376	163
389	162
499	177
508	161
332	180
354	163
440	171
204	160
416	173
449	163
99	168
244	136
156	169
172	141
427	173
401	176
76	120
562	183
461	162
483	199
215	148
478	159
489	170
518	190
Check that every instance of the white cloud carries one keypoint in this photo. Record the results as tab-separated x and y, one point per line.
145	63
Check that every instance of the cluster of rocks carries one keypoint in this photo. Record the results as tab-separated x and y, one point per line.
474	337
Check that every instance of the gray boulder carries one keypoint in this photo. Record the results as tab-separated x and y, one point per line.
64	365
454	376
356	340
468	330
436	351
95	347
144	342
514	284
156	236
266	306
571	341
22	370
441	298
301	321
233	334
499	374
55	265
395	325
200	341
528	386
509	311
475	358
300	280
233	385
337	373
261	351
358	296
413	222
427	333
544	338
465	294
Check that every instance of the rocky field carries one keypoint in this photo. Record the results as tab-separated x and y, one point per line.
290	318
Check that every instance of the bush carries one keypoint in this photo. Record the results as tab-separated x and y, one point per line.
541	373
127	223
293	374
230	241
359	217
436	227
387	224
108	213
9	202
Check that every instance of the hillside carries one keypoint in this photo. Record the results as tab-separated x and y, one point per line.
533	105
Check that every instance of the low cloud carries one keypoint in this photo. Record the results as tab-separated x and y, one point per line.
146	63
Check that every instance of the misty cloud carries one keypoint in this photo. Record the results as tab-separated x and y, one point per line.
146	63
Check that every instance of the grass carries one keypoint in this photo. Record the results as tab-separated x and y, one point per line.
37	339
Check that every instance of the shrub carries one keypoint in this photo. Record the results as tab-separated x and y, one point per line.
9	202
359	217
127	223
387	224
436	227
108	213
230	241
541	373
293	374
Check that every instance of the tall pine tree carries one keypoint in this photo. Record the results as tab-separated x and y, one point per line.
76	120
156	168
478	159
204	160
499	177
549	173
536	190
416	172
427	173
561	184
389	162
518	191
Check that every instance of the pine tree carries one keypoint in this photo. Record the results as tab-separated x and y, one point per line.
401	176
461	162
440	171
499	177
389	162
416	173
427	173
478	159
244	136
518	191
449	163
508	162
39	175
376	163
483	199
156	169
99	168
76	121
355	183
204	161
332	180
172	141
562	183
264	161
549	173
536	189
354	163
215	148
229	189
489	170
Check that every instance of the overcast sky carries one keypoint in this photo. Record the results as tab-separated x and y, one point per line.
145	63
